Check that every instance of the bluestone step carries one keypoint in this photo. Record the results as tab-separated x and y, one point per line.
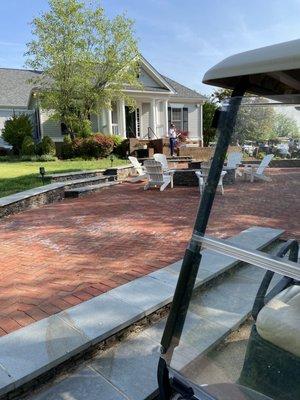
82	191
65	176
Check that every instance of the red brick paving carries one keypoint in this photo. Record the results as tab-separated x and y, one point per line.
62	254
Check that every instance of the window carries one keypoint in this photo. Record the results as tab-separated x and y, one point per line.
179	117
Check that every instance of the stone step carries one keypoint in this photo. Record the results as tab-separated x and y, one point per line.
69	176
85	190
33	350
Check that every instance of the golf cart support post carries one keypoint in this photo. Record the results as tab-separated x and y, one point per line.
274	70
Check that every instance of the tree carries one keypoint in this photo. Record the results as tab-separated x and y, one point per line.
209	133
285	126
220	94
16	129
85	59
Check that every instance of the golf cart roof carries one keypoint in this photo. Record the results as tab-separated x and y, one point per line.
271	70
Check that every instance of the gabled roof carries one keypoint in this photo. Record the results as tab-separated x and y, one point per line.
184	91
15	88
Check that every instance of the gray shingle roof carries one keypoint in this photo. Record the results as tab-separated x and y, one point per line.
15	87
183	91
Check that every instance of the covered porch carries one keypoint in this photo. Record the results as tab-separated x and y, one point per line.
151	118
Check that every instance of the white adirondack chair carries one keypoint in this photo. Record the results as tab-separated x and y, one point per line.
234	160
156	176
202	177
164	162
139	169
252	171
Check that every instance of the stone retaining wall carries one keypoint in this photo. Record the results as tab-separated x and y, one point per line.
121	173
36	200
73	175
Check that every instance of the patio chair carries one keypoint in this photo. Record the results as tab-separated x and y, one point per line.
234	160
202	177
156	176
161	158
139	169
252	171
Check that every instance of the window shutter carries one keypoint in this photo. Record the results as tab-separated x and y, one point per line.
169	117
185	119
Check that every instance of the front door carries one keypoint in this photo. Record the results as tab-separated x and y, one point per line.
130	123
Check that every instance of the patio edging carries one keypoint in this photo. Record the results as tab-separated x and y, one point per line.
41	346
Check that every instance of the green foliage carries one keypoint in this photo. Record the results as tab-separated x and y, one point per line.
86	57
285	126
28	146
122	149
254	122
82	127
48	146
95	146
47	157
209	133
220	94
117	139
67	150
15	130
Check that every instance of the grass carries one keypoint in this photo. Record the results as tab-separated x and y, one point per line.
16	176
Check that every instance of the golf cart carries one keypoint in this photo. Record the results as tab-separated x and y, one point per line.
261	358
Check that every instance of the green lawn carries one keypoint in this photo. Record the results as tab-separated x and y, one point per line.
17	176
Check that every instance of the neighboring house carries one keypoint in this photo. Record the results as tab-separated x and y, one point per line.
160	102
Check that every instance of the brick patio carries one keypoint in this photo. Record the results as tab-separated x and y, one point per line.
65	253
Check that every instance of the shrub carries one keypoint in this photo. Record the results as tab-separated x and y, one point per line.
67	150
48	146
117	139
47	157
95	146
122	150
28	146
85	129
43	157
15	130
4	151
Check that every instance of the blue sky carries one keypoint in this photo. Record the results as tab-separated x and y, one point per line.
182	39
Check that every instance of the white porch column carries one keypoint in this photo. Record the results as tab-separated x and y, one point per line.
153	116
121	118
109	122
166	117
200	111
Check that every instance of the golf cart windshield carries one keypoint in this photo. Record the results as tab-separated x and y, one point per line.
238	335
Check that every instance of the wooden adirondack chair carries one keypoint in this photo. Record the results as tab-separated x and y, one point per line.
234	160
139	169
252	171
156	176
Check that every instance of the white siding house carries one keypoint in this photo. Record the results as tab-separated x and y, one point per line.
160	102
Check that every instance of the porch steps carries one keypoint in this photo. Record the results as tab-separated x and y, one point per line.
69	176
85	190
29	352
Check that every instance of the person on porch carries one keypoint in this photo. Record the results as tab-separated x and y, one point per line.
172	138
